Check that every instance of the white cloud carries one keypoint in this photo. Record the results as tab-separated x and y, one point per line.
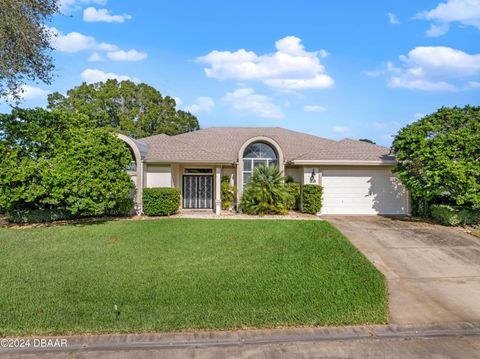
340	129
91	14
95	75
95	57
71	42
178	101
392	18
374	73
473	85
130	55
464	12
435	68
28	92
437	30
107	47
291	67
418	115
202	104
68	6
313	108
246	100
75	42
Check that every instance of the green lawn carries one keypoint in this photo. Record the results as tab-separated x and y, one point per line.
176	274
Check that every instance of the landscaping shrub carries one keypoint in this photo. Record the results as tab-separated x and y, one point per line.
294	189
438	155
161	201
59	160
39	215
311	198
265	193
228	193
454	215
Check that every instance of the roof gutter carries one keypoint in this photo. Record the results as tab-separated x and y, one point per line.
343	162
216	162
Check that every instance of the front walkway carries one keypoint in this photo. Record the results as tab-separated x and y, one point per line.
206	213
433	272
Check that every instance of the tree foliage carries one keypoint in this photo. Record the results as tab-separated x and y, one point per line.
367	140
265	193
439	156
24	43
137	110
56	160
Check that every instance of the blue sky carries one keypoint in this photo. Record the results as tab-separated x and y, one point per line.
330	68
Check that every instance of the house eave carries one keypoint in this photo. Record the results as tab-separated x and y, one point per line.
343	162
216	162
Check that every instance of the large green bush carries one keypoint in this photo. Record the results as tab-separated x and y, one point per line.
58	160
162	201
454	215
265	193
228	193
311	198
294	189
438	156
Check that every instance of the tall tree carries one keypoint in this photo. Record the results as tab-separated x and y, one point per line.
137	110
439	157
24	44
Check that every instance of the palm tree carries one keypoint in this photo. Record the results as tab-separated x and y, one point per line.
265	193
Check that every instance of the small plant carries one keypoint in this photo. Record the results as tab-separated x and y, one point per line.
311	198
228	193
265	193
161	201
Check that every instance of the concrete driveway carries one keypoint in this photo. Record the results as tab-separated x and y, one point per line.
433	272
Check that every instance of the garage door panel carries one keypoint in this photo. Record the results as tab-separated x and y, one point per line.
375	191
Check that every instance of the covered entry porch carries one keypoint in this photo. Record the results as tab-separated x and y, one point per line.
199	183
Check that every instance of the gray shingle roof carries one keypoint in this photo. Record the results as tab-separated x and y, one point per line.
221	144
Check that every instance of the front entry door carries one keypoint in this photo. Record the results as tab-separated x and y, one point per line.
197	191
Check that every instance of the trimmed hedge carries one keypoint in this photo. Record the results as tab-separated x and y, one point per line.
454	215
294	190
39	215
162	201
312	198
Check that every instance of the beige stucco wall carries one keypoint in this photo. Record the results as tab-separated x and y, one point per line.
158	176
295	172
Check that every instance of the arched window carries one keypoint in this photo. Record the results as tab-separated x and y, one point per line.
257	154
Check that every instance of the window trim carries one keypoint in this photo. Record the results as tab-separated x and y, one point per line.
208	171
265	160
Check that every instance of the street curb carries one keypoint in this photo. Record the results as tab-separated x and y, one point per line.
201	339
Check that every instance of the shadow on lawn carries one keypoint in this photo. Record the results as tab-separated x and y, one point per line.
87	221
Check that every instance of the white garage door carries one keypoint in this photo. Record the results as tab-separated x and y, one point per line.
371	191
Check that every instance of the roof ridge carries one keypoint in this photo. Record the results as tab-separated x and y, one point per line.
363	143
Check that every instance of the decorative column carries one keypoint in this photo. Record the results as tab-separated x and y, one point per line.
218	189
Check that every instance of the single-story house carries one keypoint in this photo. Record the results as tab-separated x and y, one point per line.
356	176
